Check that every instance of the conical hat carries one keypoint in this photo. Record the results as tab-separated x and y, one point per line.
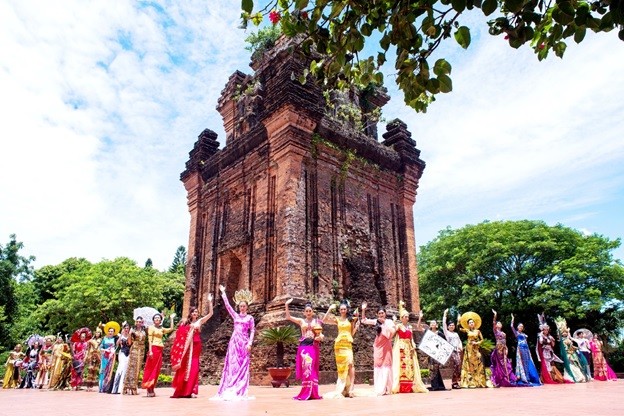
111	324
468	316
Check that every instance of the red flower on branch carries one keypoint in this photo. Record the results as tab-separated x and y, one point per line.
304	15
274	17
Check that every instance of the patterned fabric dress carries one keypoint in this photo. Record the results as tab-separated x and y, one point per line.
107	352
602	371
502	373
78	362
526	372
45	366
406	371
186	352
473	371
343	350
92	362
546	355
135	361
455	360
573	370
62	370
235	378
122	365
11	375
308	361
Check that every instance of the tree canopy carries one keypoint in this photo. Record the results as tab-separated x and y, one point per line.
525	268
178	265
410	32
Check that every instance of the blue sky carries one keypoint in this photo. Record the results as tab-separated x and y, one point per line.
102	101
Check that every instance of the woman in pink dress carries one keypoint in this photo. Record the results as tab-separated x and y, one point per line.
382	350
602	371
186	351
79	353
235	379
308	353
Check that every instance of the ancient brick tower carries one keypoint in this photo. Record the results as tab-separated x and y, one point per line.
303	200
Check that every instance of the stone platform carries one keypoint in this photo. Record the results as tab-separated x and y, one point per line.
597	398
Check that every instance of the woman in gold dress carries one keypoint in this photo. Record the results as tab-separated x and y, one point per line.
135	359
473	371
343	348
61	370
11	376
55	368
93	359
405	368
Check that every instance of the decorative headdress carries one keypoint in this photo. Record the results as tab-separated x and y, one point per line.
562	325
402	310
542	322
111	325
243	295
50	338
463	320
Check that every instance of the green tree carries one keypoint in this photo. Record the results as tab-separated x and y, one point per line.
523	267
13	268
410	32
179	261
108	290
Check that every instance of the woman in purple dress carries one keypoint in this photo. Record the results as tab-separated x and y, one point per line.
308	353
502	373
235	378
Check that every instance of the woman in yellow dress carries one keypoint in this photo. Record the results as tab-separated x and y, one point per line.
405	371
343	348
153	363
11	376
473	370
57	362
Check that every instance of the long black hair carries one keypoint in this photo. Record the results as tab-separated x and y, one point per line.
379	324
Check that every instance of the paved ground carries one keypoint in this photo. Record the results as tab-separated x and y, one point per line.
597	398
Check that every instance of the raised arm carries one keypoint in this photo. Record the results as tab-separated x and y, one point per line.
355	323
494	322
446	332
365	320
201	321
328	318
513	328
298	321
226	302
170	329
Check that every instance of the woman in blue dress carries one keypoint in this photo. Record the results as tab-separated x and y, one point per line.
526	372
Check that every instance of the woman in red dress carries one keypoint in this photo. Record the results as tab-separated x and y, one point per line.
186	351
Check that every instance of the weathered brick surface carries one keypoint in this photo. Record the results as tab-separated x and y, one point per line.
297	204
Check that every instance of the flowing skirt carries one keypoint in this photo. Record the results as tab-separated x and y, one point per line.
120	374
473	371
93	370
502	373
107	372
602	370
152	368
406	371
186	379
62	374
343	350
235	378
526	372
135	360
308	371
11	376
76	373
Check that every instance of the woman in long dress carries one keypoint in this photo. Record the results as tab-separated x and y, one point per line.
136	340
343	348
308	353
546	355
235	378
526	372
405	368
108	346
45	362
455	360
62	369
382	350
153	363
602	370
79	353
473	371
93	359
11	375
186	351
502	373
123	343
573	371
31	363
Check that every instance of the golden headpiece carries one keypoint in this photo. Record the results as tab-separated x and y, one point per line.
243	295
562	326
402	310
463	320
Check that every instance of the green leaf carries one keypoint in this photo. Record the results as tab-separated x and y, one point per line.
446	85
247	5
514	6
489	6
366	29
459	5
579	34
385	42
301	4
442	67
559	49
462	36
